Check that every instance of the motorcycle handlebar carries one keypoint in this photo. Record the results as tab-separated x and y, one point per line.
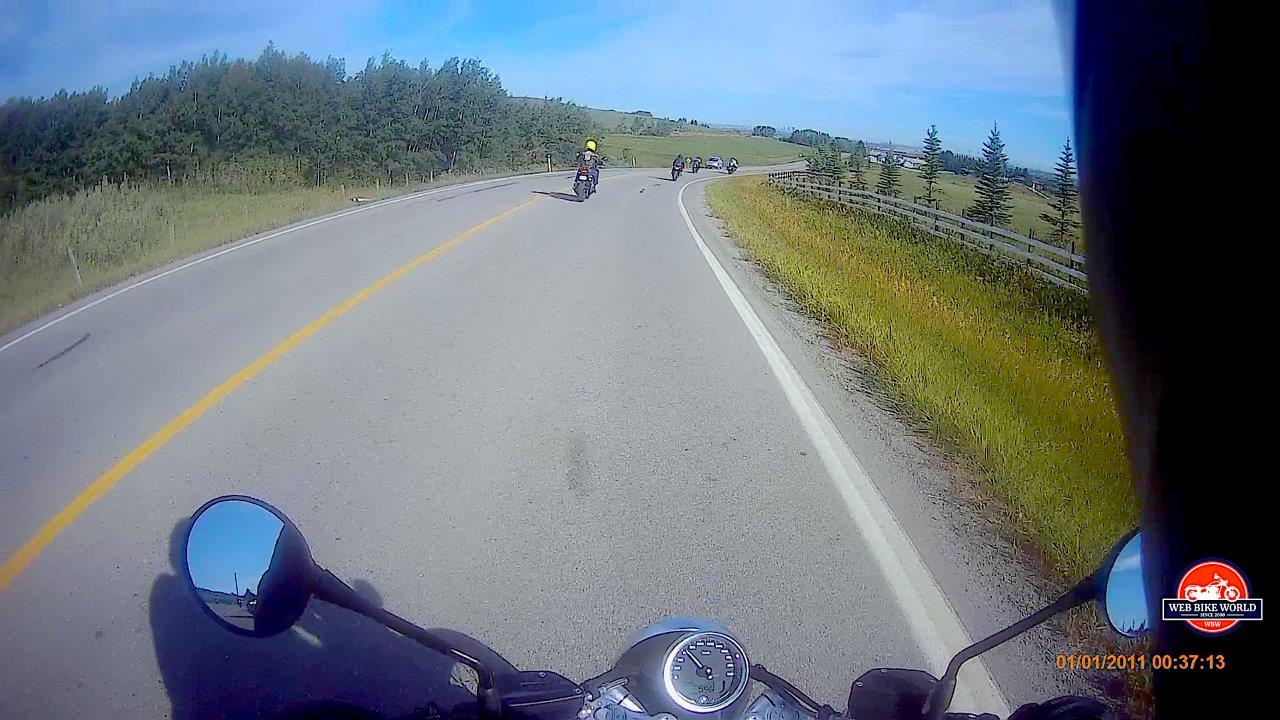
791	692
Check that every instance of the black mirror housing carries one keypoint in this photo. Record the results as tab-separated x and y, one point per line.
248	566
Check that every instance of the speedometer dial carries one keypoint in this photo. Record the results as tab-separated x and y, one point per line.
705	672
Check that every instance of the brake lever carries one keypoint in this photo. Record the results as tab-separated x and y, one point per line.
793	693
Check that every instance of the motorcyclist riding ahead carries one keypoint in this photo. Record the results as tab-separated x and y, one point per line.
593	161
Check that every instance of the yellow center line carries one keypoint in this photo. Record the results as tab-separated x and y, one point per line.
107	480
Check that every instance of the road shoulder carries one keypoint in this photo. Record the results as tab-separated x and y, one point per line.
986	577
73	306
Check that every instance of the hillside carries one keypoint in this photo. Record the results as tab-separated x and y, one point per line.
654	141
960	191
615	121
649	151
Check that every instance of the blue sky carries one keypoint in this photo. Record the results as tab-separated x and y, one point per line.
232	542
1126	600
875	70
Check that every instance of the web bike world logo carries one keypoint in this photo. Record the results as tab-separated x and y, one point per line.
1213	597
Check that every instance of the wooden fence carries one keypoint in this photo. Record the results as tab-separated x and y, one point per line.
1057	265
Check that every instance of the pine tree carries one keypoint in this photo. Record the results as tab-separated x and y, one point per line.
857	167
932	164
813	160
832	167
1063	218
825	160
993	205
889	175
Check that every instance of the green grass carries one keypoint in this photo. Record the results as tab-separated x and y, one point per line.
116	232
659	151
622	122
607	120
959	193
1005	368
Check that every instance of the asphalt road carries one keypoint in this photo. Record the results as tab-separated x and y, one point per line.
555	430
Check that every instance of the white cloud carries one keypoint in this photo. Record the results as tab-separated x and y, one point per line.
859	68
825	50
1127	562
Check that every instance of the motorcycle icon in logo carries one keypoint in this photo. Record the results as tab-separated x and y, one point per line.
1219	589
1212	598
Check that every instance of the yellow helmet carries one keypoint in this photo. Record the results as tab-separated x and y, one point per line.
591	145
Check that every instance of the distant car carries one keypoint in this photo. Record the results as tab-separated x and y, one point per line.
714	163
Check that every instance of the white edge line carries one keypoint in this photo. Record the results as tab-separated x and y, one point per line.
936	627
246	243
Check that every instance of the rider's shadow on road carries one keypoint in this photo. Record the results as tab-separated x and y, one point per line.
557	195
338	655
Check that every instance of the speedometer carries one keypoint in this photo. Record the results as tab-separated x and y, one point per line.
705	672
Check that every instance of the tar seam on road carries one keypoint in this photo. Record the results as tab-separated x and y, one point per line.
30	550
64	351
468	192
242	245
934	624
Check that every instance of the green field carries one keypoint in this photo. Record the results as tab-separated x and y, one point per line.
660	151
958	194
609	121
1000	365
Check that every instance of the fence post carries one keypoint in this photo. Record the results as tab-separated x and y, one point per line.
74	265
959	229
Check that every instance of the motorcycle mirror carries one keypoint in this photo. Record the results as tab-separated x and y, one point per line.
1124	600
248	566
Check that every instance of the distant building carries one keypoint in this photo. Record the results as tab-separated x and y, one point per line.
909	159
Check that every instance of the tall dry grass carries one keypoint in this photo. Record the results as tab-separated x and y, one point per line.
117	231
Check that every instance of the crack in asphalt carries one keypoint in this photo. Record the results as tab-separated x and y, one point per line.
468	192
64	351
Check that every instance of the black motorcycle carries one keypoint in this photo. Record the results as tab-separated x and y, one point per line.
582	185
677	669
676	169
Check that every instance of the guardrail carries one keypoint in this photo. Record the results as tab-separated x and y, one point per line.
1049	262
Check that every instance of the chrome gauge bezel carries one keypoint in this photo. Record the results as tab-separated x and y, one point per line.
740	686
